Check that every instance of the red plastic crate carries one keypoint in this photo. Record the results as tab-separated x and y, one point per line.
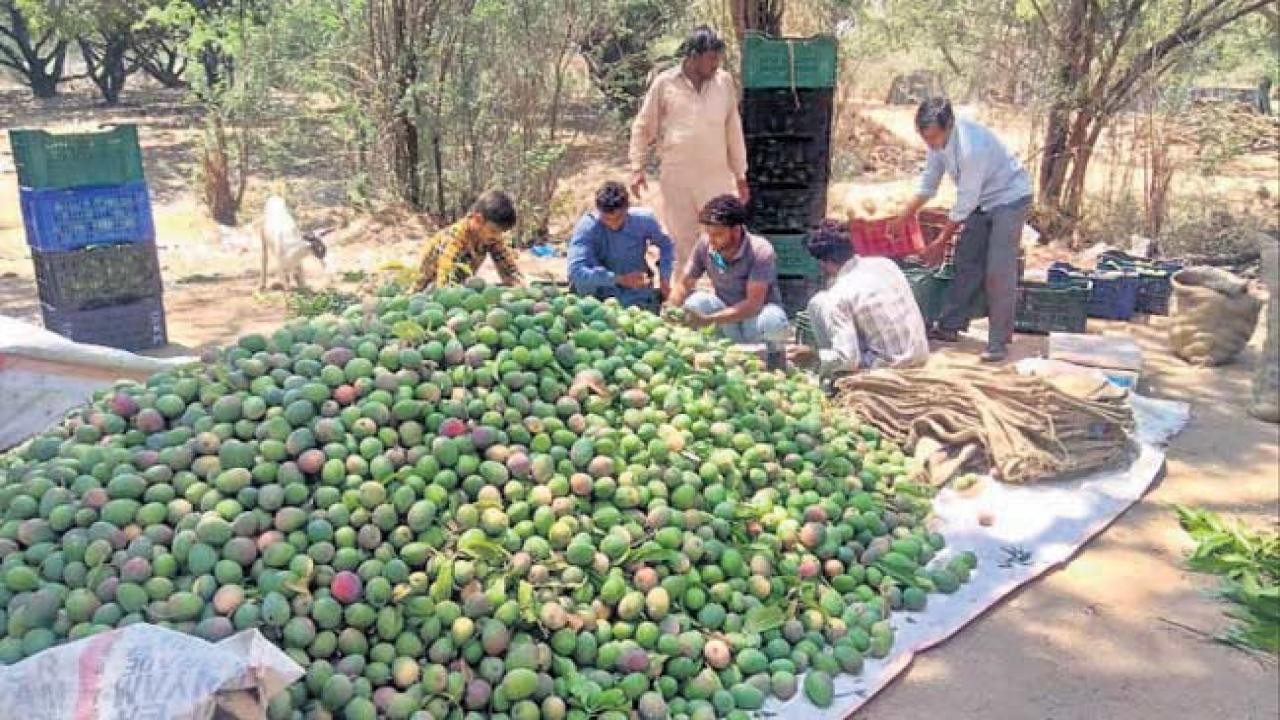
872	238
931	223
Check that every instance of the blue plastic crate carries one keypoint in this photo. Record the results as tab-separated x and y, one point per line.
1155	279
1113	295
1154	292
62	219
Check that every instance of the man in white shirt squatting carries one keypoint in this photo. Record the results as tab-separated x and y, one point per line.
993	194
868	316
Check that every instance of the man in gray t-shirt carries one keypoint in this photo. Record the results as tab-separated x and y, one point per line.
746	305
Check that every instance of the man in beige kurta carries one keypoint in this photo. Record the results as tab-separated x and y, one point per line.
691	113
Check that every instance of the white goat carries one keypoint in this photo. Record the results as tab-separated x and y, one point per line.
280	236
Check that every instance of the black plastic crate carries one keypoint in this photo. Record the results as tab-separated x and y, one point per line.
786	212
1044	308
138	325
98	276
796	293
786	161
790	113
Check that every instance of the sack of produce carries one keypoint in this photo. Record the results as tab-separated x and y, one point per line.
1266	377
1213	315
147	671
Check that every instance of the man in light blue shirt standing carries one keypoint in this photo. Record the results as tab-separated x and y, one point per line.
608	248
993	195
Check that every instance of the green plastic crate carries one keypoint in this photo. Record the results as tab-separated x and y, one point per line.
1045	308
929	285
68	160
793	257
796	293
788	62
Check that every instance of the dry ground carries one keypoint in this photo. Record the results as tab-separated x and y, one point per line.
1103	637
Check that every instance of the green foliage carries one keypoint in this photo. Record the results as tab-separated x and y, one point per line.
619	49
311	303
1249	563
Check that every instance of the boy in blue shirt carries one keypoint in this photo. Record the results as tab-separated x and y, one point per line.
608	247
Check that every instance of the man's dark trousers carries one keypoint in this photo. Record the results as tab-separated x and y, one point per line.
987	256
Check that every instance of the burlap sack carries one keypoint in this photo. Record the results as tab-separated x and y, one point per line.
1266	376
1213	315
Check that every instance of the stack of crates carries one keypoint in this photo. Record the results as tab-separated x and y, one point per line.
787	100
87	215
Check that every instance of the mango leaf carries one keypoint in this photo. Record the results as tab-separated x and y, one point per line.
614	699
651	555
896	573
298	585
762	619
483	549
499	586
442	587
524	598
585	694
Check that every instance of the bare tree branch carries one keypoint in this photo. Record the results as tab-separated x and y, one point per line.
1131	13
8	59
1196	28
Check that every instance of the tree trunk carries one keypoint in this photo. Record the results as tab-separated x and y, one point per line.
763	16
162	62
1085	138
44	85
26	56
106	65
1058	152
215	169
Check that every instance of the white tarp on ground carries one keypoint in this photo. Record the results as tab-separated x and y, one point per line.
43	375
1051	521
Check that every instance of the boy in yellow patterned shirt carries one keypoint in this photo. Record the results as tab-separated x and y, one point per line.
456	252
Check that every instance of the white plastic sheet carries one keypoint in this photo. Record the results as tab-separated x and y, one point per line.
145	672
43	375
